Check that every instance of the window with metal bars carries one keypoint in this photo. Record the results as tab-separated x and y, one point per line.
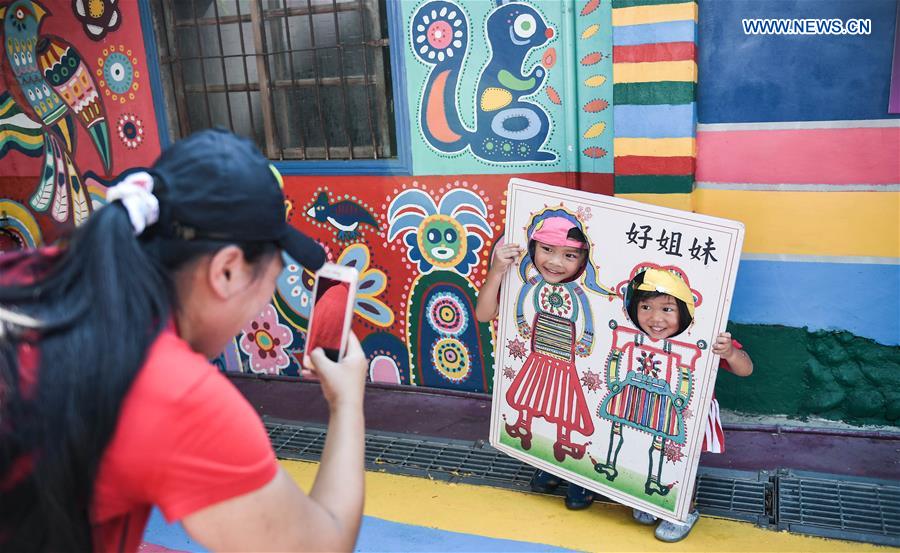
307	79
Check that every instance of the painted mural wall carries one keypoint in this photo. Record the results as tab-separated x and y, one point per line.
76	109
493	90
795	139
497	88
655	76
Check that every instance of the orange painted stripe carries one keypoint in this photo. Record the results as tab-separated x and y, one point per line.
799	156
436	115
650	165
665	51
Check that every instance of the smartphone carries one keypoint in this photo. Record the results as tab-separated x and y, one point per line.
334	293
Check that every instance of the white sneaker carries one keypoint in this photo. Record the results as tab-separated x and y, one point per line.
672	532
643	517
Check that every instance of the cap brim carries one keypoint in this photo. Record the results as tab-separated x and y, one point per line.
303	249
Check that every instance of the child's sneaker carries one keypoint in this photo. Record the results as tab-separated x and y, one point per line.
578	498
544	482
643	517
672	532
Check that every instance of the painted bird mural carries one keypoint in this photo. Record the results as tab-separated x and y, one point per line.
345	216
52	86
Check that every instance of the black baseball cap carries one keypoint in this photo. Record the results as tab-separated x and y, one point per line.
219	186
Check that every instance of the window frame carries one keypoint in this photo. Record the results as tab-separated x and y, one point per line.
401	165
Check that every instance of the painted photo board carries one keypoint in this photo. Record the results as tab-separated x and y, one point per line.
579	391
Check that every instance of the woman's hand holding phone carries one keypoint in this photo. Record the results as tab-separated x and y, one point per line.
343	383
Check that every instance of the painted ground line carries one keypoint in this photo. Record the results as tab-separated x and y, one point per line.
538	518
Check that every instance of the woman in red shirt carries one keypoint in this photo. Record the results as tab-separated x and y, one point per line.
108	405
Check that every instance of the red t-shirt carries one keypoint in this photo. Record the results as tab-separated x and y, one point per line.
186	439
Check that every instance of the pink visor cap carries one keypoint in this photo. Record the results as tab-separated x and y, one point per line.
554	232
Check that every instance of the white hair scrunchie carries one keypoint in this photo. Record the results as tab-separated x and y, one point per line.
136	194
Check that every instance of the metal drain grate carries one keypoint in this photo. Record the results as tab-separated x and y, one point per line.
727	493
857	509
446	459
464	461
735	494
818	504
292	441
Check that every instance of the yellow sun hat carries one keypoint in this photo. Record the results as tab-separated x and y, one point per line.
667	282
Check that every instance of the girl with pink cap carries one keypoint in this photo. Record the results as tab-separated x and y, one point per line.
548	385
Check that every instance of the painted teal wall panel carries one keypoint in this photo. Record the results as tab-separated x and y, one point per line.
494	88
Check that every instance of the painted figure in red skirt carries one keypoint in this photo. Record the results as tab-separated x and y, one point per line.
548	385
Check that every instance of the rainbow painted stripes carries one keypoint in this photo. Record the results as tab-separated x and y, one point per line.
654	92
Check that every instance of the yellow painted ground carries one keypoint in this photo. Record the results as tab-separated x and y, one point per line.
537	518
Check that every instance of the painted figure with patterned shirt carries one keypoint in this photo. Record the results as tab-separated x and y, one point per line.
650	381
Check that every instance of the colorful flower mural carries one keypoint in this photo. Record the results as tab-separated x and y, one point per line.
98	17
264	339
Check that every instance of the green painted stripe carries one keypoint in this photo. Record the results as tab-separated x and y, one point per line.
664	92
654	184
632	3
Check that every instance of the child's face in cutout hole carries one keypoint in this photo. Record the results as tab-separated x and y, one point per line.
558	263
658	316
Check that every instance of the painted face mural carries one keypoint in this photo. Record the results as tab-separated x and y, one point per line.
442	241
447	347
438	234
